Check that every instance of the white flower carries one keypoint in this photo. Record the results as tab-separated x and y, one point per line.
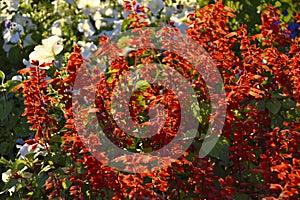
180	20
26	63
86	27
103	22
120	2
8	8
156	6
12	32
108	12
115	31
117	27
5	178
17	78
25	21
190	3
12	5
34	148
264	61
88	6
56	28
97	17
87	48
46	52
69	1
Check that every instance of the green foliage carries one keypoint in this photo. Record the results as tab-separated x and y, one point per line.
248	12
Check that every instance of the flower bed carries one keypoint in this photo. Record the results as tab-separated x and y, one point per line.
62	63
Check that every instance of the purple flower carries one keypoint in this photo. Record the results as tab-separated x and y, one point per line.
137	8
294	29
285	13
9	25
276	22
42	103
12	32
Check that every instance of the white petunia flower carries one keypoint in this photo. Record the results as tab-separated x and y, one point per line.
46	52
86	28
121	2
88	6
97	17
5	178
115	31
17	78
25	21
69	1
26	63
190	3
156	6
11	5
56	28
8	8
109	12
34	148
87	48
180	20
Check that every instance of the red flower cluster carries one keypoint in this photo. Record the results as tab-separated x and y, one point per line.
261	76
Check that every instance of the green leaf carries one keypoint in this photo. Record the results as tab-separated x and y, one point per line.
276	95
66	184
18	165
297	109
122	41
219	171
5	109
278	4
46	168
221	150
277	121
273	107
10	84
142	85
126	23
141	100
36	36
15	55
41	179
2	76
10	184
110	80
111	71
288	103
56	139
241	197
5	162
261	105
4	146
